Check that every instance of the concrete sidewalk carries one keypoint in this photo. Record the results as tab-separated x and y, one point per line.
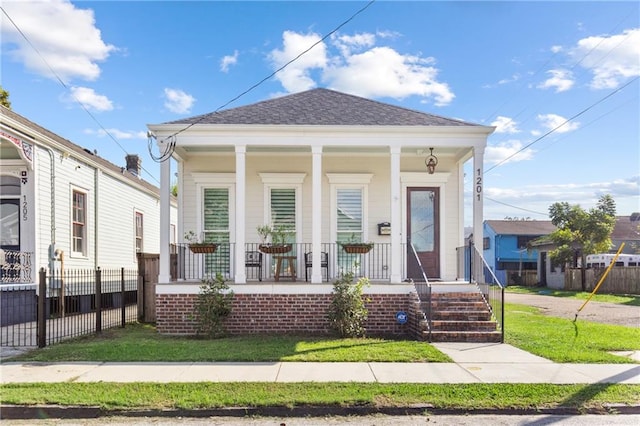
473	363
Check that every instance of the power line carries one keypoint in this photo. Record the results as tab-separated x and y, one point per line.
562	124
171	139
63	84
516	207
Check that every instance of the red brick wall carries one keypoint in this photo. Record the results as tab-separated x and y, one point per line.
283	313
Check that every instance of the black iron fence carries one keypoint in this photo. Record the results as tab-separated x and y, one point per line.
69	304
15	267
296	262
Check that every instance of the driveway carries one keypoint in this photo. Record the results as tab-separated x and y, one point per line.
606	313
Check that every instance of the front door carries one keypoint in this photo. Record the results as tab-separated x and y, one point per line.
423	231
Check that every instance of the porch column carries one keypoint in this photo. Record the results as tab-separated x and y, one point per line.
240	272
478	196
316	215
164	272
395	275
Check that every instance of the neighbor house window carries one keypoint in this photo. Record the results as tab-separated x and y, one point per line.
485	243
139	233
79	227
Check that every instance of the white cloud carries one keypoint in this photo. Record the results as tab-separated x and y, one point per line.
358	67
553	121
89	99
178	101
561	80
64	35
509	152
117	133
228	60
296	76
505	125
612	59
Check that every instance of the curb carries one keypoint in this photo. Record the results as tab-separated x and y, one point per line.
18	412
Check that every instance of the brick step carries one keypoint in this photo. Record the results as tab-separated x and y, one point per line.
456	306
463	325
464	336
468	315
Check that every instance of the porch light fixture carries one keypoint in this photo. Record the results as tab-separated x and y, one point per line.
431	162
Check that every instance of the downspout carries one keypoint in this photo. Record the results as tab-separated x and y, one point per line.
95	217
52	245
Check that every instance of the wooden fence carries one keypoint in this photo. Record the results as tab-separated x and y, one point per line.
619	281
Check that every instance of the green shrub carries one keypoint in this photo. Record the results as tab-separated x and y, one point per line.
347	312
213	305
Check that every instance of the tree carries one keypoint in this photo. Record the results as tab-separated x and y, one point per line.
4	98
580	233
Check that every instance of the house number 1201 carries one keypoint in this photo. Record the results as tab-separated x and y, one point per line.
478	184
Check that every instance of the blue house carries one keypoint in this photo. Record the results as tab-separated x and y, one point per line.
505	248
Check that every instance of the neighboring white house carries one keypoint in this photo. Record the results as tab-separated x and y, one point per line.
329	167
60	201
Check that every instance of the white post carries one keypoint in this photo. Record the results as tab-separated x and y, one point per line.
240	272
395	275
164	273
316	215
478	196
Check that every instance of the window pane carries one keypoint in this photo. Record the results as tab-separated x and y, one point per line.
216	214
283	208
349	204
423	220
79	222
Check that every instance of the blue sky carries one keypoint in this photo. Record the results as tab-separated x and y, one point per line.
524	67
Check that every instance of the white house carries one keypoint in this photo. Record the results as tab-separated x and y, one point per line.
328	167
59	201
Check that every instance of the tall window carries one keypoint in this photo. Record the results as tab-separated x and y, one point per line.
349	225
216	229
139	233
283	211
79	231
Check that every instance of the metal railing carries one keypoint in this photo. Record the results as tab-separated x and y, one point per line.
423	290
190	266
16	267
70	304
491	288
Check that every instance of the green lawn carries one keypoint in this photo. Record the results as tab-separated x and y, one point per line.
212	395
624	299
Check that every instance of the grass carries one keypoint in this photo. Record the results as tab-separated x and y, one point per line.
562	340
623	299
129	396
139	342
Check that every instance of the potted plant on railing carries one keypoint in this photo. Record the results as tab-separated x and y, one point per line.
198	246
278	237
353	246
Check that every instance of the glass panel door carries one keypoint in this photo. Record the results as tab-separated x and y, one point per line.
423	232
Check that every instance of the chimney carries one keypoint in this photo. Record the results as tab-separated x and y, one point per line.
133	164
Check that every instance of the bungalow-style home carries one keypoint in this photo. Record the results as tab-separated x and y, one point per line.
626	231
321	168
507	250
62	203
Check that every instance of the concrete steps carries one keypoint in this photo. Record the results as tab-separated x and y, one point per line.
459	317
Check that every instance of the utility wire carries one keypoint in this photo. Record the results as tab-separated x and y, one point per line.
171	138
63	84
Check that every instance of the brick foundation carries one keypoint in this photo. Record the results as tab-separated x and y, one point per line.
284	313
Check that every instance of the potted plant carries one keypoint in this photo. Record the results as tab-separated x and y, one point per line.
278	239
198	246
353	246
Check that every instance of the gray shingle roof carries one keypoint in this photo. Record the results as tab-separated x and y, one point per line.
522	227
322	107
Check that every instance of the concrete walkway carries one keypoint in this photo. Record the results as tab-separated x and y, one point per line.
473	363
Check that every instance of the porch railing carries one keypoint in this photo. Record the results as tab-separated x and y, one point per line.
482	275
189	266
16	267
423	290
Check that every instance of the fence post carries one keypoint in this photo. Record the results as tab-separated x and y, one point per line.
122	301
98	300
470	260
42	320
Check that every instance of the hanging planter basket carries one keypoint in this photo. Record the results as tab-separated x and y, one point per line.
278	249
203	248
357	248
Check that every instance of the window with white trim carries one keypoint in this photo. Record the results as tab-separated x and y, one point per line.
79	223
216	229
349	215
139	232
282	203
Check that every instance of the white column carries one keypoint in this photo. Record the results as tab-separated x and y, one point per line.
478	196
316	214
395	275
164	275
241	185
